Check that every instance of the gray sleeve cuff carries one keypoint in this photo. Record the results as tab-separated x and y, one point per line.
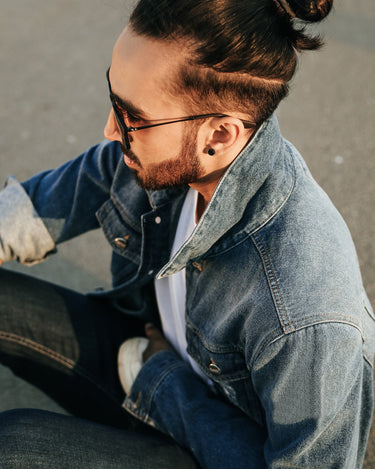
23	235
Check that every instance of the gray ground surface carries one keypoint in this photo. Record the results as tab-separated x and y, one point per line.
53	57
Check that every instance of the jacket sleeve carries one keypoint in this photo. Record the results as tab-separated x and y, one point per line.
16	213
311	388
169	396
55	205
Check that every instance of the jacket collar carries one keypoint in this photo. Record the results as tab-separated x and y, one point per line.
258	176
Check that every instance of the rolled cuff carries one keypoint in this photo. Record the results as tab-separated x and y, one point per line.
140	401
23	235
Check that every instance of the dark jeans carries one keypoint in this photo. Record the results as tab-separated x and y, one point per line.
66	343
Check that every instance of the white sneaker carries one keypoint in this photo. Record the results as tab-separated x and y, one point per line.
130	360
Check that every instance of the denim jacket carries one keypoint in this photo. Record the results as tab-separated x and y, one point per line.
276	314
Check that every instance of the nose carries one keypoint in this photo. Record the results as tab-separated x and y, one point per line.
111	129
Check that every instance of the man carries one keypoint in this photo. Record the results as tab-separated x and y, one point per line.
221	239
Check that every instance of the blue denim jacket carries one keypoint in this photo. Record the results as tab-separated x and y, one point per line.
276	314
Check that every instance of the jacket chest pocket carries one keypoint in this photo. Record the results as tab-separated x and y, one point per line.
226	367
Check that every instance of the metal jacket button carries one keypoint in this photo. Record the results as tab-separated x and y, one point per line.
214	368
121	243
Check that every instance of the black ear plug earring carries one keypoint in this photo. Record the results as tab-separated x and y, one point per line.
211	151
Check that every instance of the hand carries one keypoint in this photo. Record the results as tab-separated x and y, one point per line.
157	341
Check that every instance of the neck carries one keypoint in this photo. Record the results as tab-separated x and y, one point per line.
202	203
206	187
206	184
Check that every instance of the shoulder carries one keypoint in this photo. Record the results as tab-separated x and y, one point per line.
308	256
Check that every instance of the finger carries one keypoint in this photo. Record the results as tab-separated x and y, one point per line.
152	332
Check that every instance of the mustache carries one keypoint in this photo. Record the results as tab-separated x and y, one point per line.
130	154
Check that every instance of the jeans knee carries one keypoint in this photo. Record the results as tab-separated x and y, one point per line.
12	420
18	429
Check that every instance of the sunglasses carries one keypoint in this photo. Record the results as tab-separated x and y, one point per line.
125	118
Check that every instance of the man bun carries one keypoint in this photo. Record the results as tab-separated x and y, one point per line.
310	10
306	10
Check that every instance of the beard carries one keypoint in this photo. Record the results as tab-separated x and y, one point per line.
174	172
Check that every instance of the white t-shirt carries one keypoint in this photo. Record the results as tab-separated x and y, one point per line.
171	290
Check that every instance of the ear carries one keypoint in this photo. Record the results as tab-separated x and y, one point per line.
223	134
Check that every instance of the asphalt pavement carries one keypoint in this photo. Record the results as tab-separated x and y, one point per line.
54	104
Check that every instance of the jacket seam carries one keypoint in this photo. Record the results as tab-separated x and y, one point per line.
211	347
269	341
350	320
273	284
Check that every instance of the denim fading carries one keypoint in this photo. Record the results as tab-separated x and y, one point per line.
276	313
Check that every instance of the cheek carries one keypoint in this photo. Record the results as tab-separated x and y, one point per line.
158	143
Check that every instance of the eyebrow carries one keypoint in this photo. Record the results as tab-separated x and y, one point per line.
128	105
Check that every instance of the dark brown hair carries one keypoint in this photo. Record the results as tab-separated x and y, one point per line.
243	53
